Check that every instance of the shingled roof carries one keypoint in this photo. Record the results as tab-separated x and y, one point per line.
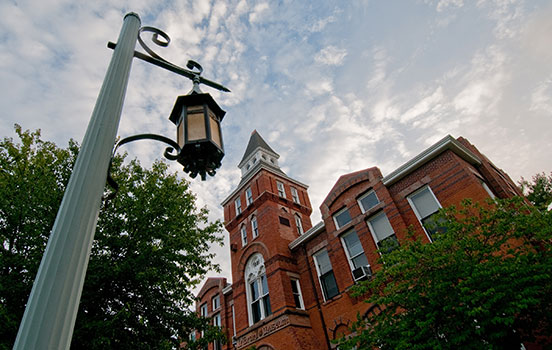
255	141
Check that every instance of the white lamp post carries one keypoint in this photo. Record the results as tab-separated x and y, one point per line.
52	306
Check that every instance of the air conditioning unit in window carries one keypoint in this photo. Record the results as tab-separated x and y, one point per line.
362	273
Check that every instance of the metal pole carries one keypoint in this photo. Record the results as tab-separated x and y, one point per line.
52	307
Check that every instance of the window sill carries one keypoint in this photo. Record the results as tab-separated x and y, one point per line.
337	297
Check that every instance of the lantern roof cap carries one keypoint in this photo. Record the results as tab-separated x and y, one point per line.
192	99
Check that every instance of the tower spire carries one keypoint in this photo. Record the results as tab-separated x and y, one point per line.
256	153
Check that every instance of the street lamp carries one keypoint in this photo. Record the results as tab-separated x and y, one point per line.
52	306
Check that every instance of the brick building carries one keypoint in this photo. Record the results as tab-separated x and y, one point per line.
291	280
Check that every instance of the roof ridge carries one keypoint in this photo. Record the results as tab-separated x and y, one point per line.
255	141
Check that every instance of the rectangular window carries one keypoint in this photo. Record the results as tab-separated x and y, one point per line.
216	302
255	227
299	224
248	196
237	202
295	195
383	233
217	345
425	206
368	200
243	235
325	274
216	320
355	253
260	300
233	321
296	290
281	191
203	310
342	218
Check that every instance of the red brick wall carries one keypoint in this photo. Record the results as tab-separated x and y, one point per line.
450	178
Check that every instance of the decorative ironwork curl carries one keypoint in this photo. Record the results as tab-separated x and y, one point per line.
173	152
155	38
162	39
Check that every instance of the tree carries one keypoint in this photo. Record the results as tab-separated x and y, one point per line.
150	248
539	190
484	283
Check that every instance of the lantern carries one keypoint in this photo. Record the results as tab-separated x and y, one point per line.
197	118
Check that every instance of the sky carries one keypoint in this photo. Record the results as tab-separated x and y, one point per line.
332	86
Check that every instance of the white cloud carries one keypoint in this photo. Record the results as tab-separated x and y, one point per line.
333	91
424	106
541	98
331	55
322	23
258	11
444	4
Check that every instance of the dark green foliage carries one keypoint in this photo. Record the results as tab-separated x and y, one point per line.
150	248
539	190
33	175
485	283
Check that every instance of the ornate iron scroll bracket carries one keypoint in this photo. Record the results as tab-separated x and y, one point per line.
154	58
173	152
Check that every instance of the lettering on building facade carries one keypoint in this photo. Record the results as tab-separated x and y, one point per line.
263	331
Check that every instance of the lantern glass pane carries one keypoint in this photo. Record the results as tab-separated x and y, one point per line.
196	124
215	129
180	134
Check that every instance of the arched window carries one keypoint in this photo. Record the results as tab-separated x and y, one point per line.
258	300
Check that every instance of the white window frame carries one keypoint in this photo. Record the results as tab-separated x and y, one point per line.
372	231
254	273
346	249
233	320
295	195
364	210
215	302
243	234
217	322
281	189
203	310
418	216
254	227
339	213
248	196
314	256
237	203
299	224
299	293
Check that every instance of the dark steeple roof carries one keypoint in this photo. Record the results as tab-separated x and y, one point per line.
254	142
